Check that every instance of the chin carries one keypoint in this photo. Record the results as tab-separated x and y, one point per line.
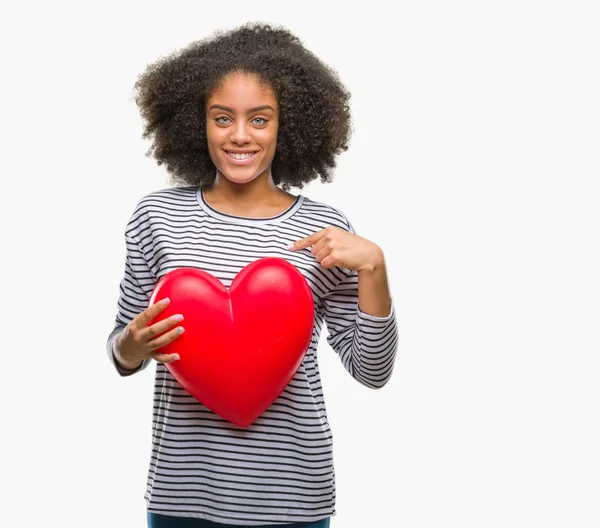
241	174
234	177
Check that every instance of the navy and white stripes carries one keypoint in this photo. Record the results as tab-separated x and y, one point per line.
280	469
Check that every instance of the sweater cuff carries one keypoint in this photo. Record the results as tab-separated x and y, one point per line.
376	318
121	370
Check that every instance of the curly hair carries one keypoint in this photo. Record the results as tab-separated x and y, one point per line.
314	120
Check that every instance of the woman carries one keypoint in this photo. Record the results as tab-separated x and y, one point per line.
238	120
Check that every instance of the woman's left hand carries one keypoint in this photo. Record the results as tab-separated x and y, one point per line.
334	246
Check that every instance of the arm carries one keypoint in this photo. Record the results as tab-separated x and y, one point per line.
135	290
361	321
373	290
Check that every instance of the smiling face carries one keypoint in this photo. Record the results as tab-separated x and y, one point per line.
242	119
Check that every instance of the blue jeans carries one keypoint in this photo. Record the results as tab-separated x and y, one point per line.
156	520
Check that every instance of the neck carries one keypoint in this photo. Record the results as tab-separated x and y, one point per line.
261	189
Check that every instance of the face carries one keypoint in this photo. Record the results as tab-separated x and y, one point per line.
242	118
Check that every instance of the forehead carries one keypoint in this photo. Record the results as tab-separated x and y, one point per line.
240	89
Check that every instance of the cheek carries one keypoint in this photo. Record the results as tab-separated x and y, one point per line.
213	144
269	137
214	138
212	149
212	132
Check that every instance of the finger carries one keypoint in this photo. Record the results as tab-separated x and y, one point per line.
329	261
321	255
324	242
166	358
164	339
141	320
150	332
307	241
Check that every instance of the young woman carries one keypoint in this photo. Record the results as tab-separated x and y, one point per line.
239	119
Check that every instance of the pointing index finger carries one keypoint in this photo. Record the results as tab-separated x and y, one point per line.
308	241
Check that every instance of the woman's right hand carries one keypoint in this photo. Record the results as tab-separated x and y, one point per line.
136	342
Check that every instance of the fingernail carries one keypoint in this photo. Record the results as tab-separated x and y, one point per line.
176	357
291	246
179	317
180	330
165	300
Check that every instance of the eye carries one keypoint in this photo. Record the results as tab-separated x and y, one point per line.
221	122
262	120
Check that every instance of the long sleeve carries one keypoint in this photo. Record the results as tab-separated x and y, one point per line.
365	343
135	290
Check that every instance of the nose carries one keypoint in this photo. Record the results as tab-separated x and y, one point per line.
240	133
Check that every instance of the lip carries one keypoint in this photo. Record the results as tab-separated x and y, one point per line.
241	162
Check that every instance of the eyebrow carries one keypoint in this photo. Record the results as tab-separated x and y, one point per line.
256	109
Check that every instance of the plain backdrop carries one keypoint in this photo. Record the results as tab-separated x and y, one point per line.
474	164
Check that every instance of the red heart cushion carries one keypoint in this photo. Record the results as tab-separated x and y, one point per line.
241	346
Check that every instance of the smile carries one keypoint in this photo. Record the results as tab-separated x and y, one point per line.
241	158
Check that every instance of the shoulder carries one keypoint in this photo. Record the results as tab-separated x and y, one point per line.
167	196
325	215
162	201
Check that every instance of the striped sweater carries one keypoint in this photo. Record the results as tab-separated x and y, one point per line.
280	469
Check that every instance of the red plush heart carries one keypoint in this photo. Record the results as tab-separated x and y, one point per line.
241	346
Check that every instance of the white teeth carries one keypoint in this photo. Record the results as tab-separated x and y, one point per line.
241	156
